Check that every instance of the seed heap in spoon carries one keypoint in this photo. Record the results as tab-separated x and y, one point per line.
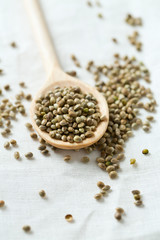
68	114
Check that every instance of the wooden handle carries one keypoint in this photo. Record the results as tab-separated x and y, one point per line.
42	35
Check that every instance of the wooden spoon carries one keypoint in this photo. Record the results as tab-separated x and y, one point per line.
56	77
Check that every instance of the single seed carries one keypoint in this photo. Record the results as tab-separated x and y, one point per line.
29	155
33	135
100	184
29	126
138	203
114	40
28	97
26	228
85	159
13	44
98	196
72	73
113	174
145	128
2	203
13	142
134	192
137	197
22	84
45	152
7	87
6	145
100	15
120	210
67	158
69	218
89	3
118	216
106	188
16	155
132	161
42	147
42	193
150	118
145	151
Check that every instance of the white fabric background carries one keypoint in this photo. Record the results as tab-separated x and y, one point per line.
70	187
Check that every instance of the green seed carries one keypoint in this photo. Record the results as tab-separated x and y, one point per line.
132	161
145	151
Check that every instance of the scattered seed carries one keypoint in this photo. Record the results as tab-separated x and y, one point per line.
22	84
16	155
118	215
113	174
45	152
120	210
137	197
28	97
138	203
100	15
42	147
106	188
42	193
67	158
98	196
89	3
2	203
29	155
7	87
150	118
145	151
13	44
85	159
72	73
69	218
135	192
114	40
132	161
33	135
13	142
145	128
26	228
29	126
6	145
100	184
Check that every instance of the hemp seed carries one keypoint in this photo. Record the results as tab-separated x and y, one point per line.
100	184
69	218
29	155
67	158
2	203
98	196
16	155
145	151
42	193
85	159
26	228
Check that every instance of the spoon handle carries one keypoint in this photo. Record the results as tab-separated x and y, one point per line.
42	35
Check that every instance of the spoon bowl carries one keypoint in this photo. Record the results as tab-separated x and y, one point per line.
61	79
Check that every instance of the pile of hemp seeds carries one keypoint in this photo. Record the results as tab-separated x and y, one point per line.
67	114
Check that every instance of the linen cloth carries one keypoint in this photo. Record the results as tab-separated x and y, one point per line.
70	187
